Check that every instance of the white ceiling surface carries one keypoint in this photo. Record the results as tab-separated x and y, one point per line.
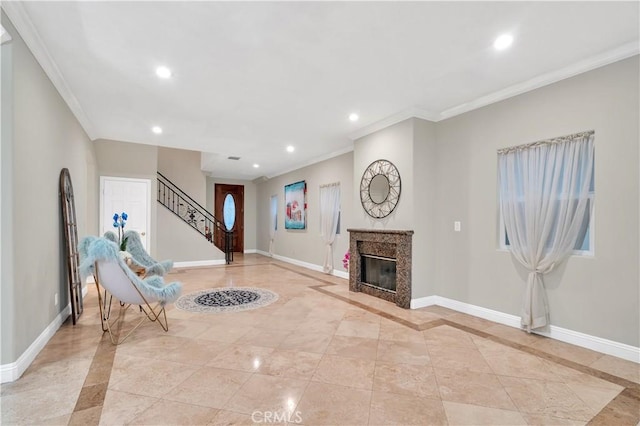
251	78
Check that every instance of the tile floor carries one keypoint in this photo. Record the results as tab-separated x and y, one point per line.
320	355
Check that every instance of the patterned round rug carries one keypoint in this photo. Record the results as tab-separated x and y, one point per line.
226	299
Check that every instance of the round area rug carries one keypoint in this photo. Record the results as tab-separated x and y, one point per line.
226	299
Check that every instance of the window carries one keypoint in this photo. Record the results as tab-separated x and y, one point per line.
329	217
329	205
273	212
273	222
584	244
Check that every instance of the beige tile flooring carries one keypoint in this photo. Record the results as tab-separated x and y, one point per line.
319	355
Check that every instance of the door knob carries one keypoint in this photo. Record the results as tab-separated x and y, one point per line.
143	233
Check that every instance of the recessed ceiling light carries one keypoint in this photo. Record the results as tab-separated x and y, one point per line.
503	42
255	166
353	117
156	129
290	148
163	72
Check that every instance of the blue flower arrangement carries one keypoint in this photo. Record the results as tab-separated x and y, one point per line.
119	221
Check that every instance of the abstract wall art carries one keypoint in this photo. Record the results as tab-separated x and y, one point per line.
295	199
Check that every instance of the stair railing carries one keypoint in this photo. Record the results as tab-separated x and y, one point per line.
193	214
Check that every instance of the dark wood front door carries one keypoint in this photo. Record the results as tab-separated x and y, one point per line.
231	195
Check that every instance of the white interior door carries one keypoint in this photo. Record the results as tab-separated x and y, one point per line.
132	196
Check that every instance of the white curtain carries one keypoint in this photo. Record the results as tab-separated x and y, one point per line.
273	223
329	211
544	196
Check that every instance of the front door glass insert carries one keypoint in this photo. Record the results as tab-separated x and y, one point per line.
229	212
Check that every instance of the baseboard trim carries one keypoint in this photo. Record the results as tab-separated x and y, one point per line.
297	262
250	251
313	267
188	264
341	274
12	371
598	344
480	312
423	302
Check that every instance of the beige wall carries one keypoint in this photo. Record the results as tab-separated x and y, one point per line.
7	297
179	242
131	160
45	137
182	167
596	295
126	159
411	146
176	240
395	144
449	173
250	210
425	186
170	237
306	245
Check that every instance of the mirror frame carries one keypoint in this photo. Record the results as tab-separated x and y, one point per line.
386	207
70	232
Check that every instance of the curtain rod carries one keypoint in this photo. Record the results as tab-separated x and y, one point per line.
546	142
330	184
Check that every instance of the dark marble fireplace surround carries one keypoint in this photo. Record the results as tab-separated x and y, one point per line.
392	244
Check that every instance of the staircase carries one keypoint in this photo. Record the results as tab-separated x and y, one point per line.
194	215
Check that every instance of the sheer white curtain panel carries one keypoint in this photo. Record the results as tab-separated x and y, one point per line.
329	212
544	194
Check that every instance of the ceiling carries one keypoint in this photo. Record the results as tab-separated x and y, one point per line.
250	78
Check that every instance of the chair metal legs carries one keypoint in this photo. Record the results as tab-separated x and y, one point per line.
113	326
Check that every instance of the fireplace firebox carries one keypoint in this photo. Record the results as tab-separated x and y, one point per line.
380	264
379	272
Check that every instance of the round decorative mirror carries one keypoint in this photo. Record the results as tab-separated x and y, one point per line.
380	189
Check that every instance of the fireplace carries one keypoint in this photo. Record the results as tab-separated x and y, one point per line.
380	264
378	272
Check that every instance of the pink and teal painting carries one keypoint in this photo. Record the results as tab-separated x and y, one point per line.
295	198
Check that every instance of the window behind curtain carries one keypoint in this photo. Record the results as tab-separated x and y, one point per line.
274	212
584	244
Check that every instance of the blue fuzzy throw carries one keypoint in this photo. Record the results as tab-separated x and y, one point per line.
94	249
139	254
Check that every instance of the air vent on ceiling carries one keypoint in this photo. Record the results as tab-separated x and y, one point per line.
233	158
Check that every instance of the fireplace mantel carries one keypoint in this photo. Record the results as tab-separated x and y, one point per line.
382	231
387	243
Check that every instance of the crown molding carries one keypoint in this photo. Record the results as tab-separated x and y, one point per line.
20	19
312	161
606	58
391	120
